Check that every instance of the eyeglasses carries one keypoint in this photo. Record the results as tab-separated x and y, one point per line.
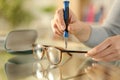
54	54
50	73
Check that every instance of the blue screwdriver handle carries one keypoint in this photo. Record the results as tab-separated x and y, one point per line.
66	17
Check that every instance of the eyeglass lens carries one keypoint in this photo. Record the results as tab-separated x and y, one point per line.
38	51
53	54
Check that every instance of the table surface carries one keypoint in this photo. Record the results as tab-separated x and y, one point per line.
20	67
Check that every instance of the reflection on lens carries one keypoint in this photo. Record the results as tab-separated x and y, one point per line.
54	74
38	51
39	75
54	55
51	73
37	68
50	76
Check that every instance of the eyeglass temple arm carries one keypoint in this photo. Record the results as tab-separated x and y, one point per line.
71	51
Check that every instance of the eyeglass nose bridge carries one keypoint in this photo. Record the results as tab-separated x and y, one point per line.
45	74
37	56
45	53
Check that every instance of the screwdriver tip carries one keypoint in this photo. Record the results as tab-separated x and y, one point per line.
66	43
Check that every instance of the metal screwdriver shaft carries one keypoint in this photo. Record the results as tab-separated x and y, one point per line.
66	18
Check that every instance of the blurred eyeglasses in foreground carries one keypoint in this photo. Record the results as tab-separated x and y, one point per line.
51	72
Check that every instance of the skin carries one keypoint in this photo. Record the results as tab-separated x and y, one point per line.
79	29
108	50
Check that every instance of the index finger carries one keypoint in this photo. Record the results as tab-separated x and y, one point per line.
60	17
104	45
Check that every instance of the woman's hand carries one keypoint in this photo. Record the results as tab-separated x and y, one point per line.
108	50
79	29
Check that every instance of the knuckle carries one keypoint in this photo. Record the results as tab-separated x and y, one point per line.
59	14
55	32
58	11
109	40
107	59
116	50
54	23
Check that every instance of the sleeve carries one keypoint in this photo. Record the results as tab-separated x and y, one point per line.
97	35
111	27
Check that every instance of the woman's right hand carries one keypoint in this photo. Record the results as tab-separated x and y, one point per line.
79	29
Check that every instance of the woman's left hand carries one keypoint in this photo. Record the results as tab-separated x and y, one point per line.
108	50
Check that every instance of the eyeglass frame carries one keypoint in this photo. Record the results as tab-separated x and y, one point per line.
60	49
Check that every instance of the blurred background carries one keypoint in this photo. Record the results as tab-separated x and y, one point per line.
20	14
37	14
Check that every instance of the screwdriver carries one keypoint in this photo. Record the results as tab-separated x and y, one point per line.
66	19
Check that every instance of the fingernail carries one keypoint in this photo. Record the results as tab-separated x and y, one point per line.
88	68
93	59
92	51
86	55
85	70
94	64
